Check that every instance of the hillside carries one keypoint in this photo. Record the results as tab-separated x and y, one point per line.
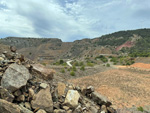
49	49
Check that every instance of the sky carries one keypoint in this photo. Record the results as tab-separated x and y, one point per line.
71	20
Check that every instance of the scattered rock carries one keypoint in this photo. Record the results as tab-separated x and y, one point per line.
100	99
21	98
31	93
4	94
42	72
7	107
43	85
61	88
27	105
72	98
88	90
59	111
104	109
24	110
13	49
41	111
66	108
17	93
43	100
15	77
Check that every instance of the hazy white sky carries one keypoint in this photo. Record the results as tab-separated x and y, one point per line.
71	19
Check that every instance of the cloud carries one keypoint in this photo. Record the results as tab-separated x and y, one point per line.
71	19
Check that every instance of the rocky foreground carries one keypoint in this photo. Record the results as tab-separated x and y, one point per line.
27	87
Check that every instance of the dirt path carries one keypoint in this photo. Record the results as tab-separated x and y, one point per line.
123	87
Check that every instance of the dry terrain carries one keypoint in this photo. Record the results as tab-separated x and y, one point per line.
125	87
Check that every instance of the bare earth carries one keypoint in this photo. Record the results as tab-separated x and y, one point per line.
124	87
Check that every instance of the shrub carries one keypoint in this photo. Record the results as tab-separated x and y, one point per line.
62	71
140	109
108	65
90	64
61	61
81	64
82	68
68	69
72	73
74	68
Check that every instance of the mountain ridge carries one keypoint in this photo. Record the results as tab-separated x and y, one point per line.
54	48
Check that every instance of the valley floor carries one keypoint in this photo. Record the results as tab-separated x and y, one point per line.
125	87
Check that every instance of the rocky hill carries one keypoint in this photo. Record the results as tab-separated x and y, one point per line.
49	49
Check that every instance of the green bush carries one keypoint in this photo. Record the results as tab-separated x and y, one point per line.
140	109
108	65
62	71
81	64
72	73
61	61
68	69
74	68
82	68
90	64
102	58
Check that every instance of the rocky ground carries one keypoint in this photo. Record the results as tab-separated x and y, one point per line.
126	87
28	87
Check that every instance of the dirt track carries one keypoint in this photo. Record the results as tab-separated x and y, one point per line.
125	88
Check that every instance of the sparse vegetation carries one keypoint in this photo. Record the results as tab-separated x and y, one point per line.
90	64
82	68
74	68
72	73
140	109
108	65
62	71
102	58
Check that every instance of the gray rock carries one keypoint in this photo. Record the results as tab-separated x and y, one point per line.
59	111
72	98
100	99
43	85
41	111
17	93
31	93
4	94
21	98
15	77
27	105
24	110
7	107
43	100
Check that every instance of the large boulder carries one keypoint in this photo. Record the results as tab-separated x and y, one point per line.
15	77
43	100
42	72
100	99
7	107
72	98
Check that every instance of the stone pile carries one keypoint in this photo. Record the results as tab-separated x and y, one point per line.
29	88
